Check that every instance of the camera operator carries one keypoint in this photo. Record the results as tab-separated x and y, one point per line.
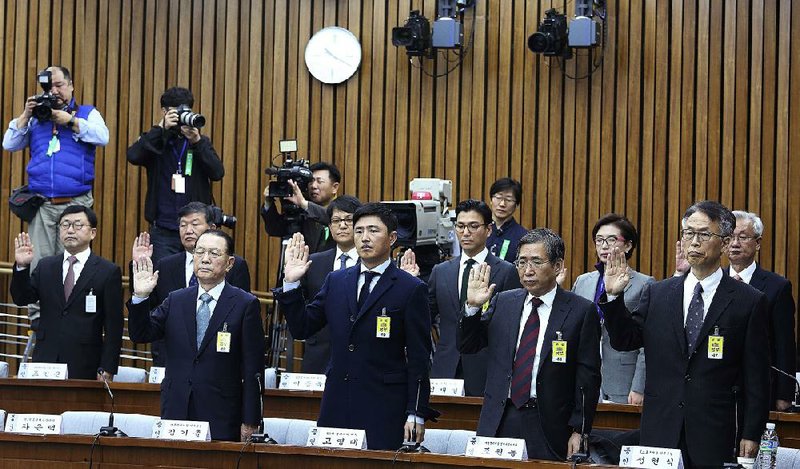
62	144
180	165
314	226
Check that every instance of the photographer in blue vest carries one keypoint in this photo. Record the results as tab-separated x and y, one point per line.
62	137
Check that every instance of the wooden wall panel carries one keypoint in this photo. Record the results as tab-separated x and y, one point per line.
694	98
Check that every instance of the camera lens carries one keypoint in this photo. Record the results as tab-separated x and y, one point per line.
539	42
42	112
402	37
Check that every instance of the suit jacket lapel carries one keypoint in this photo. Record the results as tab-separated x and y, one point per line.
86	275
221	311
190	313
759	279
515	317
385	282
558	315
351	290
722	298
674	307
451	275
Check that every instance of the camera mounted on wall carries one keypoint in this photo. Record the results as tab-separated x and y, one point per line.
46	102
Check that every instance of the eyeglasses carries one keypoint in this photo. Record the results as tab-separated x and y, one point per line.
702	236
347	221
212	253
499	198
743	238
536	264
609	240
77	225
472	227
185	225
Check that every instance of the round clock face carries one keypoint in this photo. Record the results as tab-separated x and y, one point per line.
333	55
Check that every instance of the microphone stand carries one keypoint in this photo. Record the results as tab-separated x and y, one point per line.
414	446
793	408
582	455
110	429
260	436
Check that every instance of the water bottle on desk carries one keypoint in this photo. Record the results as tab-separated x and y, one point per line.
767	449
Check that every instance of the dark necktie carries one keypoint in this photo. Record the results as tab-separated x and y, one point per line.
738	278
343	261
69	280
694	319
362	297
192	280
465	280
203	317
523	362
601	290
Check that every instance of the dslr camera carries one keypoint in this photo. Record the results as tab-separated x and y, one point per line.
292	169
46	102
187	117
220	218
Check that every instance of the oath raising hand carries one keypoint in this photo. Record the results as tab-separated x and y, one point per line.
296	262
617	273
23	250
478	289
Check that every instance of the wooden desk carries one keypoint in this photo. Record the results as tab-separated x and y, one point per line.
72	451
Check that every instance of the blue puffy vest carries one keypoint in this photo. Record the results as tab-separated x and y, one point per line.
67	173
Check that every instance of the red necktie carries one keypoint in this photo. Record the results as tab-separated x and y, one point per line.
526	352
69	280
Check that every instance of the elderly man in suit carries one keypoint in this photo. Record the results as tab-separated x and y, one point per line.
447	292
744	246
177	270
213	338
705	335
544	352
81	324
623	372
317	351
379	324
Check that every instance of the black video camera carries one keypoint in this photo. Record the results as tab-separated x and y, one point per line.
187	117
414	35
551	37
220	218
291	170
46	102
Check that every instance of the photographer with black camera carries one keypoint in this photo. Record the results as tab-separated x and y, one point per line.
180	165
62	137
300	214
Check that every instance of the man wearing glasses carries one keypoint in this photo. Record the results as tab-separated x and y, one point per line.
705	336
745	244
505	195
447	293
213	338
543	349
81	321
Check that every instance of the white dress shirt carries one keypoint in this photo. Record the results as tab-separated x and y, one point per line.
544	317
352	258
82	257
709	284
479	259
214	292
380	268
746	275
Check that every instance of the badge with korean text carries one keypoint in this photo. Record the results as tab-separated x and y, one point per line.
384	325
224	340
716	345
559	352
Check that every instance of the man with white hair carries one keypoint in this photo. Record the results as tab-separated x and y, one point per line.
744	246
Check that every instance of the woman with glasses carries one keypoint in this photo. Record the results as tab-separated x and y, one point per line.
623	372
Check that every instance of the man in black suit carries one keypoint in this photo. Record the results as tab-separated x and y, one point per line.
544	352
214	341
447	292
177	270
81	322
317	352
744	246
705	339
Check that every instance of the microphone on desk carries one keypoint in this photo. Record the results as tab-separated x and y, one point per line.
792	408
414	446
582	455
109	430
260	436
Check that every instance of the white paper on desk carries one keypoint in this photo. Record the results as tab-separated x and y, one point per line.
40	370
496	448
328	437
447	387
40	424
184	430
302	382
650	457
156	375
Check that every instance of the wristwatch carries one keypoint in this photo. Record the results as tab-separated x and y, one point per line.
72	122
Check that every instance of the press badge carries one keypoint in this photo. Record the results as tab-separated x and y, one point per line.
91	302
54	146
716	344
384	325
559	352
179	183
224	340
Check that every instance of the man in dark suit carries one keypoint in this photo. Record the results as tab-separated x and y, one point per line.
214	341
177	270
81	323
705	339
744	246
447	292
317	352
379	324
544	352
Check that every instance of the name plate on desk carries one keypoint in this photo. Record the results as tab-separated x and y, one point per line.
184	430
302	382
447	387
156	375
40	424
497	448
42	371
650	457
326	437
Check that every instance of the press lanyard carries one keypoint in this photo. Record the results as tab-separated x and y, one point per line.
178	156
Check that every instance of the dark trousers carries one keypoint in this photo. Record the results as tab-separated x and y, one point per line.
525	423
165	242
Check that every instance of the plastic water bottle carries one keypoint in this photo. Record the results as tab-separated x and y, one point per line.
768	449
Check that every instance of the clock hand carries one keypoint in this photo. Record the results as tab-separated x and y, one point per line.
337	58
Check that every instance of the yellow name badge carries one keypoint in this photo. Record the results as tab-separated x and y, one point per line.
485	307
224	340
559	351
716	344
384	326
